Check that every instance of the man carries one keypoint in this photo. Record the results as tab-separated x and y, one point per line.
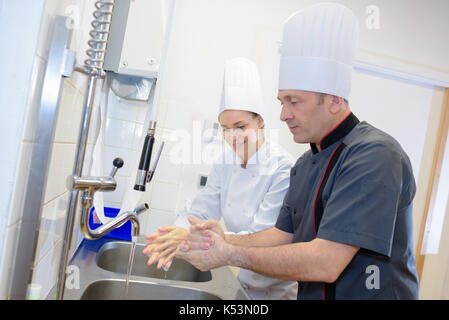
345	227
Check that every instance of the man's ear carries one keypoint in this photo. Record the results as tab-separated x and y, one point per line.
336	104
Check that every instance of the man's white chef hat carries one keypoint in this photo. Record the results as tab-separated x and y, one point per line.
318	50
241	87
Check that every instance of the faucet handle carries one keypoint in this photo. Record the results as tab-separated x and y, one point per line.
153	167
93	184
118	163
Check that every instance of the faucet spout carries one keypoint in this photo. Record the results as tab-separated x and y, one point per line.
113	224
135	226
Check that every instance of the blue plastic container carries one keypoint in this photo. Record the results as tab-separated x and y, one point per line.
121	233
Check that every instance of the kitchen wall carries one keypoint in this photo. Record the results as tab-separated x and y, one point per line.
124	138
124	127
13	108
30	21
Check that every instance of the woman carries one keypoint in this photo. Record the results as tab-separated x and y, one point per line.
246	187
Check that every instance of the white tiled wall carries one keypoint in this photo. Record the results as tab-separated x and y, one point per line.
56	197
125	132
124	136
14	79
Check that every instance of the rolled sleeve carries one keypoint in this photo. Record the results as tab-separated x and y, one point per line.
284	221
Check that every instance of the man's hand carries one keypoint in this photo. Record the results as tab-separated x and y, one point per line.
206	251
161	246
200	233
206	247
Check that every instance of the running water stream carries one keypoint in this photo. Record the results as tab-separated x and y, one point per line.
130	262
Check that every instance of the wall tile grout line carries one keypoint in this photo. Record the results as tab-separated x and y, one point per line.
50	250
53	199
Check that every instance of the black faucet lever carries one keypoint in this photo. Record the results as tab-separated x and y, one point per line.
118	163
145	158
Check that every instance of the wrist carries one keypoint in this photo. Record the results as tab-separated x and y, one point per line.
231	239
238	256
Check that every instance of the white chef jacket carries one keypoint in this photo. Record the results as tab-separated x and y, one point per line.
249	200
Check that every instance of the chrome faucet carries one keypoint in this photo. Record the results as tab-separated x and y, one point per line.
90	185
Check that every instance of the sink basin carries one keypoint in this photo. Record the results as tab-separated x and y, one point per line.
115	290
113	256
104	262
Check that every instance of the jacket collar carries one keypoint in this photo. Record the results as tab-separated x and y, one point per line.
259	157
337	133
256	160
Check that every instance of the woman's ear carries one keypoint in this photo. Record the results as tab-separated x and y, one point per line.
260	121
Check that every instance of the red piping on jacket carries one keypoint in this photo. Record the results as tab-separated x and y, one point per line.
314	204
322	179
334	129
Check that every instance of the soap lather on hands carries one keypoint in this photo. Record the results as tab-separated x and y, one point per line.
162	245
205	246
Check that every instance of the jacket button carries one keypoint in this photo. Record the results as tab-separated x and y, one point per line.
294	172
294	211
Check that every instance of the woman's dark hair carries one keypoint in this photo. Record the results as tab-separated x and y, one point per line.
254	115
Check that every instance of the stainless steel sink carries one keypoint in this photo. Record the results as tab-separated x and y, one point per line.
115	290
113	256
102	265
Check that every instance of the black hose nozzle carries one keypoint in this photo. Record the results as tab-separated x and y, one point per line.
144	164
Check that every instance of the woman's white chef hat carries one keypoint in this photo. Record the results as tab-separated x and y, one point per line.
318	50
241	87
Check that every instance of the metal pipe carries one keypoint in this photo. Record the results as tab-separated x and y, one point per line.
115	223
71	212
93	67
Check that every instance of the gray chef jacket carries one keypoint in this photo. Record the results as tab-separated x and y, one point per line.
358	190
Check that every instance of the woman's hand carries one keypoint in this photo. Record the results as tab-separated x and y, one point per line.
199	225
161	246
